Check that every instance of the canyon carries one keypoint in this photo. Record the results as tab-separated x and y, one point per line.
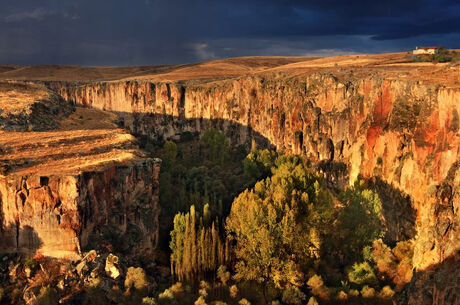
371	117
61	188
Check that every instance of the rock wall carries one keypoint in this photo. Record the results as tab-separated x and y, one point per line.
403	134
60	216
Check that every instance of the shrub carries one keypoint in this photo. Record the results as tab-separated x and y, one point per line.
316	284
203	292
368	292
167	298
223	274
312	301
275	302
135	277
177	289
200	301
353	293
342	296
362	274
204	285
293	296
396	263
386	293
233	291
149	301
244	302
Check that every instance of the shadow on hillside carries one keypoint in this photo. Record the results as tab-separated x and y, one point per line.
397	206
439	284
398	210
159	127
17	239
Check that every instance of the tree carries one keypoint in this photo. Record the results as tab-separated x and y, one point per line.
359	224
362	274
216	145
277	226
196	248
258	163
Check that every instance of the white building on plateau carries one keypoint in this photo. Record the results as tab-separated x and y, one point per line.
425	51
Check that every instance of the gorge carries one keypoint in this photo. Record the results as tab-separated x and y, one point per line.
397	128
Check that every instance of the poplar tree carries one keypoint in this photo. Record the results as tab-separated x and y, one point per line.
197	249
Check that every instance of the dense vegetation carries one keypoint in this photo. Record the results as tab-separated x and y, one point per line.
238	228
285	239
199	171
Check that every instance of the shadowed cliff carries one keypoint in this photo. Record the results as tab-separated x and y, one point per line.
439	284
15	238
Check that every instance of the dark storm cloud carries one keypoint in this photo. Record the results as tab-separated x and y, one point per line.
123	32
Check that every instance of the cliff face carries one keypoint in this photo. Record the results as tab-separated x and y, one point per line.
403	133
60	215
27	106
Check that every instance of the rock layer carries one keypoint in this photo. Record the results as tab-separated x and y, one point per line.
60	215
86	185
403	132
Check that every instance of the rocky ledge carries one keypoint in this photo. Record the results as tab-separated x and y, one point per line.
84	185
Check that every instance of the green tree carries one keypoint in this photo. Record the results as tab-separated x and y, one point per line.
359	224
362	274
196	248
277	226
215	144
258	163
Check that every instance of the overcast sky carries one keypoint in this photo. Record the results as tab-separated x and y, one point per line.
150	32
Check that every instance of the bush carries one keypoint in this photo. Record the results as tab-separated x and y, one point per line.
315	281
233	291
316	284
203	292
342	296
166	297
177	289
396	263
362	274
353	293
244	302
200	301
293	296
368	292
386	293
223	274
149	301
135	277
312	301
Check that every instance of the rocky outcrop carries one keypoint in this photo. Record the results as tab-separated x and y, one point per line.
404	133
27	106
60	215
